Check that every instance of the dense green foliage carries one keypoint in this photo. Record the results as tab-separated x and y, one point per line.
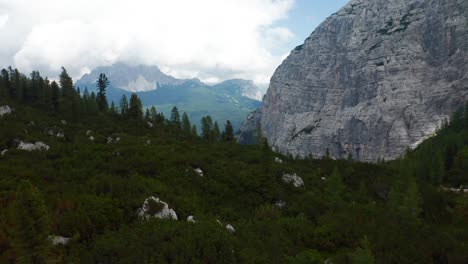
90	191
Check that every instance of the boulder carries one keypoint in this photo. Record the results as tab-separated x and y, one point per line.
91	138
150	125
63	122
280	204
278	160
155	208
191	219
3	152
199	172
230	228
33	146
89	133
59	240
294	179
5	109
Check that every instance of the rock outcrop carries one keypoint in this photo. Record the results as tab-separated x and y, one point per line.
155	208
372	80
5	109
294	179
33	146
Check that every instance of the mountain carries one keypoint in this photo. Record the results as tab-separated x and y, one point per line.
372	80
230	100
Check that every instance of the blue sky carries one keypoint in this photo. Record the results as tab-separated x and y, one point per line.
305	16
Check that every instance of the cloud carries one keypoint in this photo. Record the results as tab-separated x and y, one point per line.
206	39
3	20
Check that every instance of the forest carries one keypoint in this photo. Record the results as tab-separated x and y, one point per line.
76	170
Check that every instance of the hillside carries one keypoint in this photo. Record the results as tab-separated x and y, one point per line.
88	183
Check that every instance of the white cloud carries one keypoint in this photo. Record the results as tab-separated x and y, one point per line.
206	39
3	20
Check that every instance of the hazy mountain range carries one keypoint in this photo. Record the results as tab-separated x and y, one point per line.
229	100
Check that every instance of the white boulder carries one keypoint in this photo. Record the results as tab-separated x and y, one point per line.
294	179
3	152
278	160
199	172
150	125
191	219
280	204
89	133
324	179
58	240
146	212
5	109
32	147
230	228
91	138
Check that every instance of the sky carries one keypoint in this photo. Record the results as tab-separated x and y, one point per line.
212	40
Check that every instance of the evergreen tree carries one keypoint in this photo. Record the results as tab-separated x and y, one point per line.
404	198
31	224
363	255
334	188
113	109
147	115
66	83
102	84
123	105
135	110
207	127
175	117
186	126
5	84
194	131
153	114
55	96
228	132
216	133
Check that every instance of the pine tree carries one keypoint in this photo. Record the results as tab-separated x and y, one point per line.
363	254
207	127
186	126
5	84
153	113
55	96
31	224
147	115
135	110
194	132
216	133
113	109
228	132
123	105
102	84
175	117
334	188
404	199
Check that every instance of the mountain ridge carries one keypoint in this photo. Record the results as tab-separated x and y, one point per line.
372	80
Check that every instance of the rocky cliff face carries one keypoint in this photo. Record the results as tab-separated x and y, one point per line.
372	80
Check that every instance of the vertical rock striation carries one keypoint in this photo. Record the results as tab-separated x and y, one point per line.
372	80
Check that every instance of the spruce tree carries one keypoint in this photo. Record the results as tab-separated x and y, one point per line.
135	110
186	126
123	105
216	132
102	84
207	127
175	117
31	227
55	96
228	132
